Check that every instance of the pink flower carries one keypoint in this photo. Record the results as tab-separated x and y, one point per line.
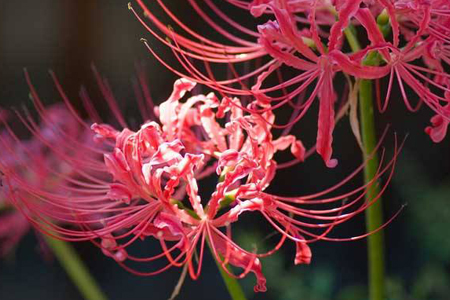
294	39
439	125
131	186
154	165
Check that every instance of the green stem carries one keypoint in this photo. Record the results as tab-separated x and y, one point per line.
75	269
352	39
233	286
73	265
374	213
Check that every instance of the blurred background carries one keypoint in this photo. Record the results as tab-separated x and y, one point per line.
68	36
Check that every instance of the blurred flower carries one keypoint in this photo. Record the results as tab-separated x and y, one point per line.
32	161
13	226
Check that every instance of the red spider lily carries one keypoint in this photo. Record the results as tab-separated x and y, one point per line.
316	51
146	186
426	44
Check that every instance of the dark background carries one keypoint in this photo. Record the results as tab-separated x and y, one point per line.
67	36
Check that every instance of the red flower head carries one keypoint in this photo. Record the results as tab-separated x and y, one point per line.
129	186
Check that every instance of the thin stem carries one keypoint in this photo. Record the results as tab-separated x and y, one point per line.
374	213
75	269
233	286
352	39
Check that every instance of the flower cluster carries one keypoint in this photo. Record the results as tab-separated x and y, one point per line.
130	186
88	179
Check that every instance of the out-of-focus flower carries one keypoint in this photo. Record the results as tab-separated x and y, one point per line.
131	185
308	37
13	226
32	160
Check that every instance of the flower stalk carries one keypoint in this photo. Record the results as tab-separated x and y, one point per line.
234	288
374	213
75	269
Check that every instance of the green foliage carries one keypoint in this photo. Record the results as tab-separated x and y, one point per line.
287	281
428	211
